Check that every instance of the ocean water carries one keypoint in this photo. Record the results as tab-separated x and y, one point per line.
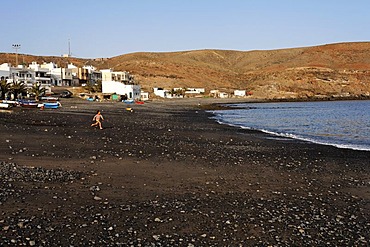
344	124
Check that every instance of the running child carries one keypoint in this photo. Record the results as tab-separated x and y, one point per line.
98	118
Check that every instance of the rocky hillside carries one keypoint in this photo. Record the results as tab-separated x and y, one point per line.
328	70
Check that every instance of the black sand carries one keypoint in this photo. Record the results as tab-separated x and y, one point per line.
167	175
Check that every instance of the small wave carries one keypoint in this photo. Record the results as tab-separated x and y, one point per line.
342	146
297	137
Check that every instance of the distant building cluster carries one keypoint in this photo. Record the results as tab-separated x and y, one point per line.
198	92
48	75
120	84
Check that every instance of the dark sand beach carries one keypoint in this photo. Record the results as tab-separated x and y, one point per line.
168	175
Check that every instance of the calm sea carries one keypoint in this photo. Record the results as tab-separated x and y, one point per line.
344	124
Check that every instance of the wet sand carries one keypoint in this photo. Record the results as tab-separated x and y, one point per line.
168	175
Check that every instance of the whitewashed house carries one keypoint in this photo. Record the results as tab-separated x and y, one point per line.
42	76
240	93
120	83
194	91
218	94
58	76
133	92
5	71
18	74
121	76
30	76
164	93
144	96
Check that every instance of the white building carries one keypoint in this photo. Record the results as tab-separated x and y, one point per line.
61	76
144	96
18	74
195	91
29	76
5	71
110	75
240	93
218	94
164	93
42	76
133	92
120	83
94	74
58	76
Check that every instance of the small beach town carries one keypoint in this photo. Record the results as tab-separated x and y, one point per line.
36	80
41	81
176	143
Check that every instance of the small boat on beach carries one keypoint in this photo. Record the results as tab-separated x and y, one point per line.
51	105
28	103
5	105
12	102
49	99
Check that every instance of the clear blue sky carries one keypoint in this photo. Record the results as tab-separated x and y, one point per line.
107	28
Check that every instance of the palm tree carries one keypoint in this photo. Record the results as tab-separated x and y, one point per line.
94	88
38	90
17	88
4	88
98	86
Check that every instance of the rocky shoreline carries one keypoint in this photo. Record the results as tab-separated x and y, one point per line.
168	175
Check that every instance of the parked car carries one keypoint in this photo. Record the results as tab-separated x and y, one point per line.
66	94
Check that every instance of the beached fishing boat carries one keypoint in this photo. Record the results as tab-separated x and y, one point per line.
51	105
10	102
5	105
28	103
49	99
13	102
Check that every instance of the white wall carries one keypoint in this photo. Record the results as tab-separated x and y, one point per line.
223	95
195	90
160	92
4	73
111	87
144	95
239	93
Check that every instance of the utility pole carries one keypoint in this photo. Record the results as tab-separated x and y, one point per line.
16	47
69	48
61	75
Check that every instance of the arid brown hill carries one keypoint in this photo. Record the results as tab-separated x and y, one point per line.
334	69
